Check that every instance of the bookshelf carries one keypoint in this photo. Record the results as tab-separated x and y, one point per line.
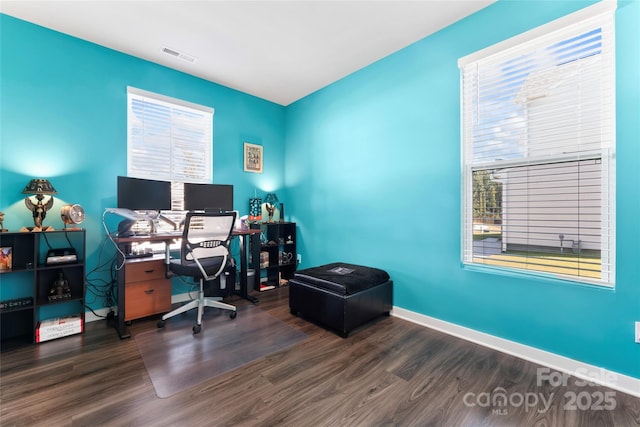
278	256
42	279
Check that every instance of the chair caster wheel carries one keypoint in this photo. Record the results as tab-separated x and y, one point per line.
197	329
233	314
161	324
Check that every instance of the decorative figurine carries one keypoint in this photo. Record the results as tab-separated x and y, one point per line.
39	210
2	229
270	210
60	288
39	188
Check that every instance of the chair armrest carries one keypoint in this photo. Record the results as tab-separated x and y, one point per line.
197	261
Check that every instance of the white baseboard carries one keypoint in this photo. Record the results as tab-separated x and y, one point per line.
184	297
584	371
100	314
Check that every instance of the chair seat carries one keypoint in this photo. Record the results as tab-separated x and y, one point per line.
191	269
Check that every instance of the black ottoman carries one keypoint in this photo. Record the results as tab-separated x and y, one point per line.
341	296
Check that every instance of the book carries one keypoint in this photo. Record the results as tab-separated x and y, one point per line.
264	259
59	327
6	258
16	303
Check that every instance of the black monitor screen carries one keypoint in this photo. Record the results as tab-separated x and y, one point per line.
208	197
143	194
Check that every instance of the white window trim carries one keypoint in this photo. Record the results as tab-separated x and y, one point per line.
170	100
589	12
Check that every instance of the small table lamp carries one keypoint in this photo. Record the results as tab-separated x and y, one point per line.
270	202
39	188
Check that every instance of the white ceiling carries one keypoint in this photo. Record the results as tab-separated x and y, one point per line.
277	50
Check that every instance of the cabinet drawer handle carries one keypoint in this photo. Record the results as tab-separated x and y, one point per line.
149	271
149	291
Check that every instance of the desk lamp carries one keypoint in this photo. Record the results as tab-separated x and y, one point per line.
39	188
270	202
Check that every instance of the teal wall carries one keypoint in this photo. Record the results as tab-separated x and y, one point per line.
369	167
373	168
64	117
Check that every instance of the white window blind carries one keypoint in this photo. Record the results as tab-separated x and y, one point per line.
169	140
538	148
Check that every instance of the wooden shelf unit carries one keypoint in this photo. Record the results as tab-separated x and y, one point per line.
30	277
278	258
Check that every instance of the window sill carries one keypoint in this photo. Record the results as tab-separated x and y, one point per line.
534	276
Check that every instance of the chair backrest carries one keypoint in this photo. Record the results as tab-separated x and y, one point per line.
206	235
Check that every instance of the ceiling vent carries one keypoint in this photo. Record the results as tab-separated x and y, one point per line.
178	54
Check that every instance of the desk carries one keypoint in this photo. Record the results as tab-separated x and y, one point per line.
154	286
254	244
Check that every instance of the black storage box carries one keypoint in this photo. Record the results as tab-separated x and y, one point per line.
341	296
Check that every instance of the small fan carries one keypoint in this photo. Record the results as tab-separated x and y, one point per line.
72	214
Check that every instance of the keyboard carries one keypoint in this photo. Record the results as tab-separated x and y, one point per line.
139	255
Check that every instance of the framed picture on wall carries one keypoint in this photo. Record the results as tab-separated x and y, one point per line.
252	158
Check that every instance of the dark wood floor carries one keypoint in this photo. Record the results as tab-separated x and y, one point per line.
392	373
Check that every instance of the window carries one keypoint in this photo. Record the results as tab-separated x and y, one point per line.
169	140
538	149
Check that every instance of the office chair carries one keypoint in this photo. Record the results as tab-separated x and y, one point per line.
204	254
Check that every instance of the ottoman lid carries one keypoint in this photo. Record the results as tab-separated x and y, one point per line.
343	278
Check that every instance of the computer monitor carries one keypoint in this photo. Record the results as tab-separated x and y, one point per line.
143	194
208	197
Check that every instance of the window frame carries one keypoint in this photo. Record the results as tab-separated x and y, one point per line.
553	32
200	131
